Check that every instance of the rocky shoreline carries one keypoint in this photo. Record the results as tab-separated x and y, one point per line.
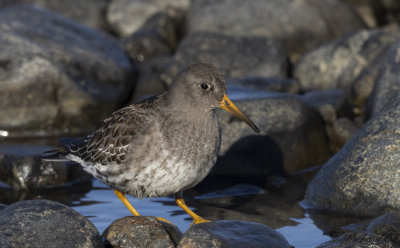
319	77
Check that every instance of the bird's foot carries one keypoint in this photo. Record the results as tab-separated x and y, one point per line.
199	220
165	220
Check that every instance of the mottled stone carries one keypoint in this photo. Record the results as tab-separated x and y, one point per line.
127	16
343	129
232	234
358	240
388	226
387	83
234	56
298	25
140	231
44	223
57	76
292	137
341	63
362	177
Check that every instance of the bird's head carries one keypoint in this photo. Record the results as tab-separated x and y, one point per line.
203	88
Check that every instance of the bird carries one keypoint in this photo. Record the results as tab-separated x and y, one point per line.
161	146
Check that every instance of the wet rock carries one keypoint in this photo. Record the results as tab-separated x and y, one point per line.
158	36
22	167
127	16
343	129
358	240
266	84
299	26
360	179
386	84
2	206
388	226
38	223
337	65
149	80
234	56
293	137
59	78
232	234
140	231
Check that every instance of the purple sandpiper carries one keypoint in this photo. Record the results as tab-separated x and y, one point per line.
161	146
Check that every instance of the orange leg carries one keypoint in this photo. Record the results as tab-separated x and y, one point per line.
127	204
196	219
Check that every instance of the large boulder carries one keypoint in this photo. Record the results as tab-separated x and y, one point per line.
44	223
228	233
90	13
341	63
57	76
234	56
127	16
298	25
293	136
387	83
362	178
358	239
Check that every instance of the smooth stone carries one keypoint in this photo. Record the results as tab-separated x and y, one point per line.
2	206
22	167
335	97
343	129
386	225
127	16
292	138
358	240
338	64
44	223
298	25
60	78
386	84
89	13
234	56
229	233
140	231
360	179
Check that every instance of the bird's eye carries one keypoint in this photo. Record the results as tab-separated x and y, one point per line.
205	86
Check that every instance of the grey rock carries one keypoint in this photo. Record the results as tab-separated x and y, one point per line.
386	84
127	16
292	137
158	36
362	177
299	26
57	76
339	64
140	231
90	13
358	240
388	226
21	167
234	56
2	206
287	85
40	223
232	234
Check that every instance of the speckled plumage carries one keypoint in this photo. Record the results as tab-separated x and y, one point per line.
161	146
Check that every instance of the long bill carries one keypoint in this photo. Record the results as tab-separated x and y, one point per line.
228	105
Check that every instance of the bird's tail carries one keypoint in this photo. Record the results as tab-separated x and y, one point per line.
55	155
